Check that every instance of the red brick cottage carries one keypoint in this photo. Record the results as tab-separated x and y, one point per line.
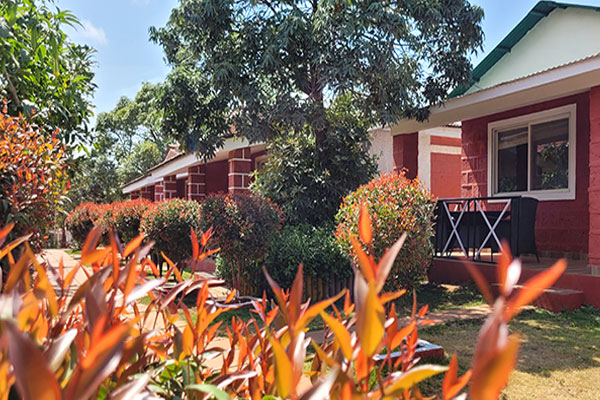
530	122
185	176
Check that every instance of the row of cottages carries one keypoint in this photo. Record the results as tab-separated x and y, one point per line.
433	155
185	176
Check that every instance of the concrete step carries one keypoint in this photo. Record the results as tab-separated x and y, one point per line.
555	299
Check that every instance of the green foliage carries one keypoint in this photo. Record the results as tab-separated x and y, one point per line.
95	179
66	339
554	160
82	219
143	156
280	65
32	177
169	224
243	228
132	122
127	143
194	113
125	217
310	189
42	71
315	248
397	205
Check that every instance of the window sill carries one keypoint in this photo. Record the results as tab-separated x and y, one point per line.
558	195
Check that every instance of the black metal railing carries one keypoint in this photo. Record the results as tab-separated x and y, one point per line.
465	227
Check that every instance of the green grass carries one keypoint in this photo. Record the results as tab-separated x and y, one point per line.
441	297
559	356
73	252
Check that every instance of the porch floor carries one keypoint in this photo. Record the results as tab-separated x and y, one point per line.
578	276
574	266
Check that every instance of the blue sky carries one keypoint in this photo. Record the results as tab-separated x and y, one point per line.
118	30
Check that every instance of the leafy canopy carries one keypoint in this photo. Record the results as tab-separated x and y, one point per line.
310	190
42	73
132	121
127	142
270	66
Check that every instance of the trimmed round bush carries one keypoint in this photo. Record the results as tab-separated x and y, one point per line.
315	247
243	228
125	218
169	225
82	219
396	205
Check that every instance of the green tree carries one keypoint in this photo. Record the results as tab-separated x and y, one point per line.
94	180
194	113
144	156
310	190
127	142
271	67
43	74
131	122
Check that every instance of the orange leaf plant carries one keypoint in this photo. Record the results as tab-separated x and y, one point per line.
60	339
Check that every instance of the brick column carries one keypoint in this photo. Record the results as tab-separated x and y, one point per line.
406	152
474	162
594	185
240	164
159	191
196	182
147	193
170	183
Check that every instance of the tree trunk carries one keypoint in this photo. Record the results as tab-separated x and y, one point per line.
320	127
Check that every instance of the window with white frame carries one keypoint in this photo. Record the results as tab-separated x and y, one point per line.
533	155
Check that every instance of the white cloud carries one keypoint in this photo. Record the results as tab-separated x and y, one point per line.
89	31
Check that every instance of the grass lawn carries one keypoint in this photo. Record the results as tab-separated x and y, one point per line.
559	356
73	252
440	297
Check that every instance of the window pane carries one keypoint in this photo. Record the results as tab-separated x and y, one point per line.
512	160
550	155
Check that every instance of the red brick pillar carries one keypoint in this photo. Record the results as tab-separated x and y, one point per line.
170	183
159	191
135	195
594	186
240	164
147	193
406	152
474	162
196	182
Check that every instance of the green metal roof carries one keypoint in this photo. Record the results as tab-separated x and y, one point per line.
541	10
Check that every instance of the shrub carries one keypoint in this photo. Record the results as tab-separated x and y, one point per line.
169	224
243	227
125	217
82	219
314	247
32	177
397	205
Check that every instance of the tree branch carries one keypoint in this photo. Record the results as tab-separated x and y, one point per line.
11	87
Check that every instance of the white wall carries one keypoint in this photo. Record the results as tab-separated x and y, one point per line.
382	146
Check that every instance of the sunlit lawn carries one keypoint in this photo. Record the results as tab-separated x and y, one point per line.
559	356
